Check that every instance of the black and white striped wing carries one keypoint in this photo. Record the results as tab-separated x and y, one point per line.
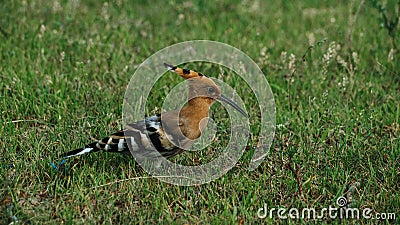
142	136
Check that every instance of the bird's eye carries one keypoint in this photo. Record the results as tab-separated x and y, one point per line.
211	90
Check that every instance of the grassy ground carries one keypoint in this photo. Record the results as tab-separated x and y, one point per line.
65	66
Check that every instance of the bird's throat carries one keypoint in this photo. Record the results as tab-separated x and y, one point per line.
193	114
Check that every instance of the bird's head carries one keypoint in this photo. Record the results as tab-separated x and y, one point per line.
200	86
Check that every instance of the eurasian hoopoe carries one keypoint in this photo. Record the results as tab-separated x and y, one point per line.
170	132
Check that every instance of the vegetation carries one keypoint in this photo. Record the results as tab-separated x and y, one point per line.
64	70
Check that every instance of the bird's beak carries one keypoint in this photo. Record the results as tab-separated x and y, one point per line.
225	99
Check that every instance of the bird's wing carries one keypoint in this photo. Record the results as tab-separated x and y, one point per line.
143	137
173	130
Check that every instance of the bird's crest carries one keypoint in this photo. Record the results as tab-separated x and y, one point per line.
187	74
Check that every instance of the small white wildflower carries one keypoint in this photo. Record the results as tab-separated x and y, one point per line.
313	99
263	51
42	30
327	57
255	6
283	57
126	68
356	59
391	55
345	80
341	61
279	126
338	47
324	96
57	6
264	57
310	12
62	54
89	44
292	63
311	39
104	11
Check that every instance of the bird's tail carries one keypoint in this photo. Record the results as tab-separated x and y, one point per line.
93	147
114	143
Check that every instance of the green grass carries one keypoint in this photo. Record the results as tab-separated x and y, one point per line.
64	70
